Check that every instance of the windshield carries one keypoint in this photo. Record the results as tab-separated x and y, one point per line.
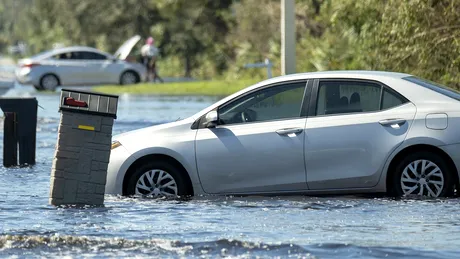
42	54
442	89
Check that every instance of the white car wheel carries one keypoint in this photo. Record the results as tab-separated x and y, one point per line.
159	179
49	82
156	183
423	174
128	78
423	178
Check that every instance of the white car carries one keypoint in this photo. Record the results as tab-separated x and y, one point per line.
337	132
77	65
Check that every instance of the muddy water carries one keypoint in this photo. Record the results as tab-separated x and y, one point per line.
209	227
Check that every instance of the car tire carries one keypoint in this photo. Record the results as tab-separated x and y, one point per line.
422	174
145	181
38	88
49	82
129	78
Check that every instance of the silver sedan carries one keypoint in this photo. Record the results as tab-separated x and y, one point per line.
338	132
79	65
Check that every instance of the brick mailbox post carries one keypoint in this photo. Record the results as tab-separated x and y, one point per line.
79	170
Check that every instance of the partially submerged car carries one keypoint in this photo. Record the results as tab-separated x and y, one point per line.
337	132
80	65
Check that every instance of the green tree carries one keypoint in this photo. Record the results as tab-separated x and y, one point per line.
193	28
420	37
415	36
209	39
11	12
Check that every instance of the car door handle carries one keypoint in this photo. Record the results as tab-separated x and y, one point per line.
389	122
289	131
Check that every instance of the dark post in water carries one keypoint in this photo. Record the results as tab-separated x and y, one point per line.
19	130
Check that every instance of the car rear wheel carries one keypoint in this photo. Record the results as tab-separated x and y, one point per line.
158	179
128	78
423	174
49	82
38	88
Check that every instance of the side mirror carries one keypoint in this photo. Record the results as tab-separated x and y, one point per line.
210	121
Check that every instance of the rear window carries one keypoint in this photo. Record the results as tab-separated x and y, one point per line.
442	89
41	54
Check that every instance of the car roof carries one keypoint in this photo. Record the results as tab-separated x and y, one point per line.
354	74
68	49
406	88
365	74
77	48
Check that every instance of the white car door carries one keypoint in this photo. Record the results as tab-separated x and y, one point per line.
258	144
69	69
99	69
351	130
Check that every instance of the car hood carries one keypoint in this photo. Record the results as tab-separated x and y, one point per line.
124	50
153	135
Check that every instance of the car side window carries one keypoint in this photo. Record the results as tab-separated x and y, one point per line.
347	97
390	100
337	97
63	56
87	55
273	103
68	55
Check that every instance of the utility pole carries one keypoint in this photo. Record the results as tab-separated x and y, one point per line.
288	54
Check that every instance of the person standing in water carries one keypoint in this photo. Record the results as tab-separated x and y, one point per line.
149	57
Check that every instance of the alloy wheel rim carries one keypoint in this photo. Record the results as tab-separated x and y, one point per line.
49	82
128	78
156	183
422	178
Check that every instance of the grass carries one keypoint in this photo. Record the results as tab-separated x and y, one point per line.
206	88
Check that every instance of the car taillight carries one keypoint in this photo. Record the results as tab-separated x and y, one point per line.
30	65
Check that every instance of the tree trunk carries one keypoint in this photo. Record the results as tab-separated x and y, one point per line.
317	6
188	66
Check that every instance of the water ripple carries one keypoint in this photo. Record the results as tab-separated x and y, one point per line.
210	226
63	245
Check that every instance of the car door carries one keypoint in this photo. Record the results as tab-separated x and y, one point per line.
68	68
351	130
99	68
257	145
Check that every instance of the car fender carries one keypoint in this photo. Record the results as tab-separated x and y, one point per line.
49	72
189	166
139	69
381	185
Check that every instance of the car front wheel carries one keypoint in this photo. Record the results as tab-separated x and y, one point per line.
158	179
49	82
423	174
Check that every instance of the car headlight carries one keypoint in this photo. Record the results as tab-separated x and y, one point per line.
115	144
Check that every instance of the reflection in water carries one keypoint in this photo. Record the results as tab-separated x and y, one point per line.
300	226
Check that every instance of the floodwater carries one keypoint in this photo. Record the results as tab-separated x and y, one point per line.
208	227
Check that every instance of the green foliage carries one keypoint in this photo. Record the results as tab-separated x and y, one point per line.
421	37
210	88
210	39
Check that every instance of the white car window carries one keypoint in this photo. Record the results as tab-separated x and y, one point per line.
63	56
390	100
337	97
274	103
439	88
87	55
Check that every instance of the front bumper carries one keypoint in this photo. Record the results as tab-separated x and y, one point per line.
118	165
23	76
